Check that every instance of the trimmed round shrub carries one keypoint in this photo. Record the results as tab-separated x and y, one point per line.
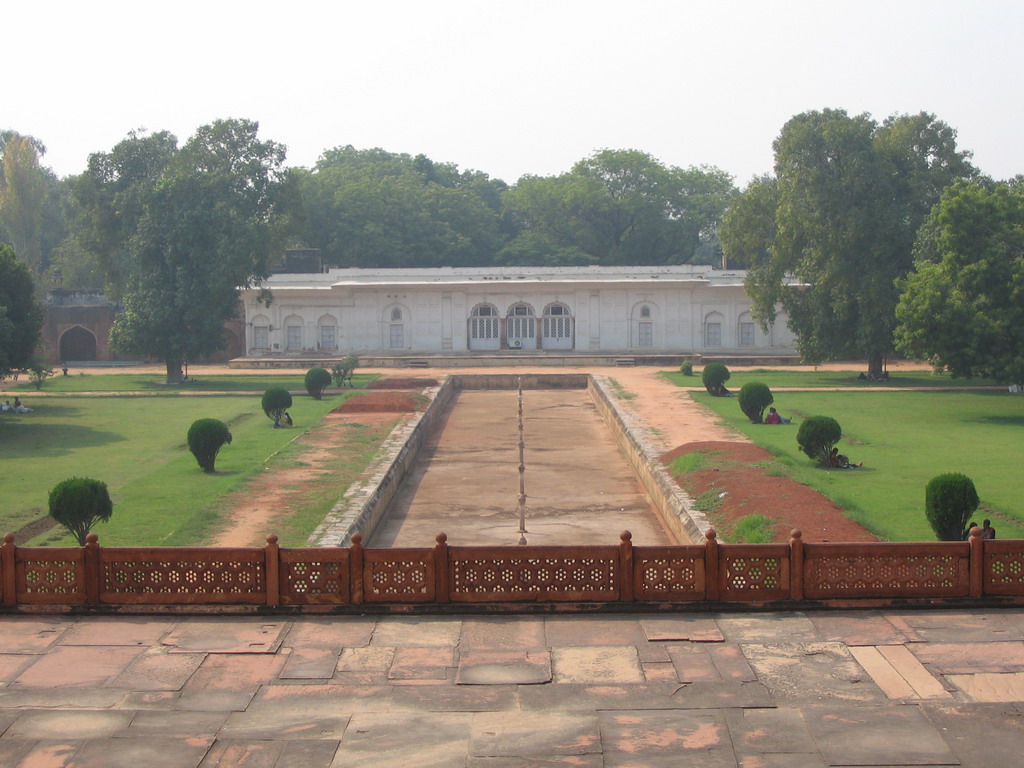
276	401
949	502
754	398
714	377
317	380
686	368
205	439
78	503
817	435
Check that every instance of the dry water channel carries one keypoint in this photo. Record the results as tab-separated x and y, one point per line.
466	479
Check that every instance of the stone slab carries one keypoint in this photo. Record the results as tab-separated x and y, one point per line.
770	731
682	734
877	736
236	672
286	726
77	667
571	631
766	628
446	698
988	687
504	633
855	628
949	626
310	663
972	658
403	632
504	668
422	663
911	670
174	725
259	754
67	724
315	700
810	672
980	735
710	663
148	752
120	630
30	753
882	672
336	632
696	629
644	696
558	761
157	670
217	636
601	664
526	734
364	666
405	738
307	754
12	665
24	634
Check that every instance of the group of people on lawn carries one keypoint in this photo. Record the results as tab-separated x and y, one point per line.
836	459
18	407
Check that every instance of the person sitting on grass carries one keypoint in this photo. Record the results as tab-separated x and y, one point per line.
841	461
773	417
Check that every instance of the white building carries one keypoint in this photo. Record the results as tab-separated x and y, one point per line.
597	310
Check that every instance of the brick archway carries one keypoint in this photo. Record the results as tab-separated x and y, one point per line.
77	344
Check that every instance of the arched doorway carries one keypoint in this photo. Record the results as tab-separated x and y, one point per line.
557	327
77	344
521	327
484	328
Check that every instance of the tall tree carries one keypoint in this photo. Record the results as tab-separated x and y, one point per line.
849	197
113	195
371	208
963	306
21	317
625	207
204	226
23	190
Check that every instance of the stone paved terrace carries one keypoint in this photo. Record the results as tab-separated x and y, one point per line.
736	690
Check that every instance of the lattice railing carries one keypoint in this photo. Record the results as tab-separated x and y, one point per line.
319	578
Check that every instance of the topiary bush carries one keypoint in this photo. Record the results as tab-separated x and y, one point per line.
817	435
949	502
686	368
205	439
78	503
754	398
343	370
276	401
317	380
714	377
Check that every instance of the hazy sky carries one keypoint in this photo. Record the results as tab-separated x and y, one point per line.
510	88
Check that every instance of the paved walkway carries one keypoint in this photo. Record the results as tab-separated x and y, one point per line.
750	690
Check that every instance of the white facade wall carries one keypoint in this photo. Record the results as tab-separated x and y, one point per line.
673	310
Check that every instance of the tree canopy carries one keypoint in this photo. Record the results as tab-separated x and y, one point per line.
963	305
829	235
21	317
184	229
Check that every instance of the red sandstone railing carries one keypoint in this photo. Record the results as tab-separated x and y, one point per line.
345	578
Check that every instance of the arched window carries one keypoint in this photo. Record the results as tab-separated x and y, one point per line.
260	332
327	332
557	322
713	329
521	326
396	314
293	333
645	312
484	322
747	330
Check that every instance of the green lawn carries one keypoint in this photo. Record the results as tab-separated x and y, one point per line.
826	379
904	439
154	383
136	444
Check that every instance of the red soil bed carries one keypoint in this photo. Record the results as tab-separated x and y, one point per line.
378	402
750	491
399	383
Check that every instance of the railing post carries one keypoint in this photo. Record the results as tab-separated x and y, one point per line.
627	586
711	580
796	565
976	562
92	569
442	584
355	574
8	560
272	571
